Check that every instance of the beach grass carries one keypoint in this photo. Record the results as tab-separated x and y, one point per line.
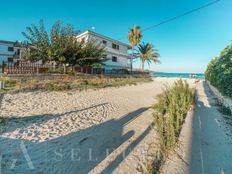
170	112
12	85
3	122
169	115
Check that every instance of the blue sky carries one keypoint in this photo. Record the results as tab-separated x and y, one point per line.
185	45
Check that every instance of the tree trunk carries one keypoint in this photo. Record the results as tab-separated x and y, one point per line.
131	60
142	65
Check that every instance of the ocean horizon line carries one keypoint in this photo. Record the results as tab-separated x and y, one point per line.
179	75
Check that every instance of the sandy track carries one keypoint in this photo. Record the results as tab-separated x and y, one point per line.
102	131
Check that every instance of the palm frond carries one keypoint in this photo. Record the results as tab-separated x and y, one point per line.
147	53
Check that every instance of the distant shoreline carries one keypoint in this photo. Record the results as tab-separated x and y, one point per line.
178	75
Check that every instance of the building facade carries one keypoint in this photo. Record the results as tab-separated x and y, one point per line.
116	52
10	52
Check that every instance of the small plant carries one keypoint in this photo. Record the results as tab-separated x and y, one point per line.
154	167
224	109
2	120
10	83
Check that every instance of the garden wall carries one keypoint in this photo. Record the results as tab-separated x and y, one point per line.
224	100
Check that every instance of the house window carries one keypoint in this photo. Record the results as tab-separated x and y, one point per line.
114	59
10	59
10	49
114	46
18	52
104	42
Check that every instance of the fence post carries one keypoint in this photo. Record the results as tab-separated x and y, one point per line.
2	84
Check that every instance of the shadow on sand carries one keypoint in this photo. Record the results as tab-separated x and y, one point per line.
26	121
76	153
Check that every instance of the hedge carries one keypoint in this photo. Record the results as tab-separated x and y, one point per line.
219	72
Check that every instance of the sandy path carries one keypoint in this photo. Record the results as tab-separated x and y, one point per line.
102	131
206	140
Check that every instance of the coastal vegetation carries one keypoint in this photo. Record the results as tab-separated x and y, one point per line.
144	51
2	123
169	115
134	37
219	72
147	53
171	109
60	46
224	109
12	85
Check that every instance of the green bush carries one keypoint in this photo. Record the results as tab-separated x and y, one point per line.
219	72
9	83
171	109
224	109
2	122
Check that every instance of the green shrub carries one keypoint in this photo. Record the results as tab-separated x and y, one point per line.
2	122
219	72
153	168
224	109
171	109
9	83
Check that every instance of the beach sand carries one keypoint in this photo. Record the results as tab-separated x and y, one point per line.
94	131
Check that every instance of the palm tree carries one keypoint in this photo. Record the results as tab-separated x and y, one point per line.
134	37
147	53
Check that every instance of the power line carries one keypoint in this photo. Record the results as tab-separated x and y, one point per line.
180	16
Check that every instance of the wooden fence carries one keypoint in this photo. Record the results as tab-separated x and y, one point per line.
24	68
36	68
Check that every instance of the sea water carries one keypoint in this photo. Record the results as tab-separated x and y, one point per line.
179	75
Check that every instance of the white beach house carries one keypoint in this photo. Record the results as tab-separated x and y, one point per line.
117	52
10	51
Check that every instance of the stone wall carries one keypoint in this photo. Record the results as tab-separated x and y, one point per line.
225	100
